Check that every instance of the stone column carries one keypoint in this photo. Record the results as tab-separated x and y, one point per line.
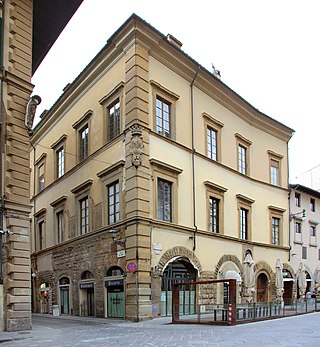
137	183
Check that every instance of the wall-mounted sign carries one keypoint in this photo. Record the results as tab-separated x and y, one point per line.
113	283
132	267
86	285
121	254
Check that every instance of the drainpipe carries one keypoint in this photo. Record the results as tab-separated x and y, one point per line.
193	162
1	133
289	198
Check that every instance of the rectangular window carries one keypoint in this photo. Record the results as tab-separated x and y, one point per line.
242	159
297	199
84	215
243	224
114	120
212	143
60	225
113	203
40	178
214	214
164	200
312	205
60	162
274	172
304	252
312	230
163	117
41	235
84	142
297	227
275	237
318	254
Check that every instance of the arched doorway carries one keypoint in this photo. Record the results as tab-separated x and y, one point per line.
287	286
44	291
180	270
86	295
114	293
262	288
64	292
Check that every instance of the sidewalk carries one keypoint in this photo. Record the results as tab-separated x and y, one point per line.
6	336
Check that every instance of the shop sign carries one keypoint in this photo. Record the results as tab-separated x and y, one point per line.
113	283
86	285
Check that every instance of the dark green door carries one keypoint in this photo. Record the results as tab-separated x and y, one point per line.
115	303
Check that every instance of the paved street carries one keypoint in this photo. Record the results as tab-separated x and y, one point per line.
60	332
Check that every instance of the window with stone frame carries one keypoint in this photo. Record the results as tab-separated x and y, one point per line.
275	161
276	225
113	202
112	104
40	232
164	191
59	156
82	127
82	196
213	137
215	207
245	216
40	167
84	142
275	231
60	225
59	218
243	154
114	120
84	215
165	188
111	182
164	110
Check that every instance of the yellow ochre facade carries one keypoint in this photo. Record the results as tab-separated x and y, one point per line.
148	160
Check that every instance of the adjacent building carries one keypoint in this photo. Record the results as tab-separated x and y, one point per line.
21	52
304	238
149	170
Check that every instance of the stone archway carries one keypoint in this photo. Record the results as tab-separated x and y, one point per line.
265	281
290	290
227	258
179	252
172	257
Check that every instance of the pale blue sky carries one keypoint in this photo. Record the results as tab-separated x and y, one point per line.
267	51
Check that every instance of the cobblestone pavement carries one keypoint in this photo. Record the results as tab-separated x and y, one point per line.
76	332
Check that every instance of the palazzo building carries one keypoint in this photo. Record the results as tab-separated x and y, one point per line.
26	34
149	170
304	239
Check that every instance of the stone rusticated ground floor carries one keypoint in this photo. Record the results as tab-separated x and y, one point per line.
89	278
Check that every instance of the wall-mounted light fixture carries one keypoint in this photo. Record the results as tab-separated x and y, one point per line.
113	234
301	214
6	232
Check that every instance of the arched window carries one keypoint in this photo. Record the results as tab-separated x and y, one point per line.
64	281
86	275
114	271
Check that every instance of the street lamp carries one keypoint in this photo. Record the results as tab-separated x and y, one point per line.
113	234
302	213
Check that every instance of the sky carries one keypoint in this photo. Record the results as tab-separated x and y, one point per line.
267	51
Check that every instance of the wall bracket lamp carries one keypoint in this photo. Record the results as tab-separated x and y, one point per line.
6	232
113	234
301	214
